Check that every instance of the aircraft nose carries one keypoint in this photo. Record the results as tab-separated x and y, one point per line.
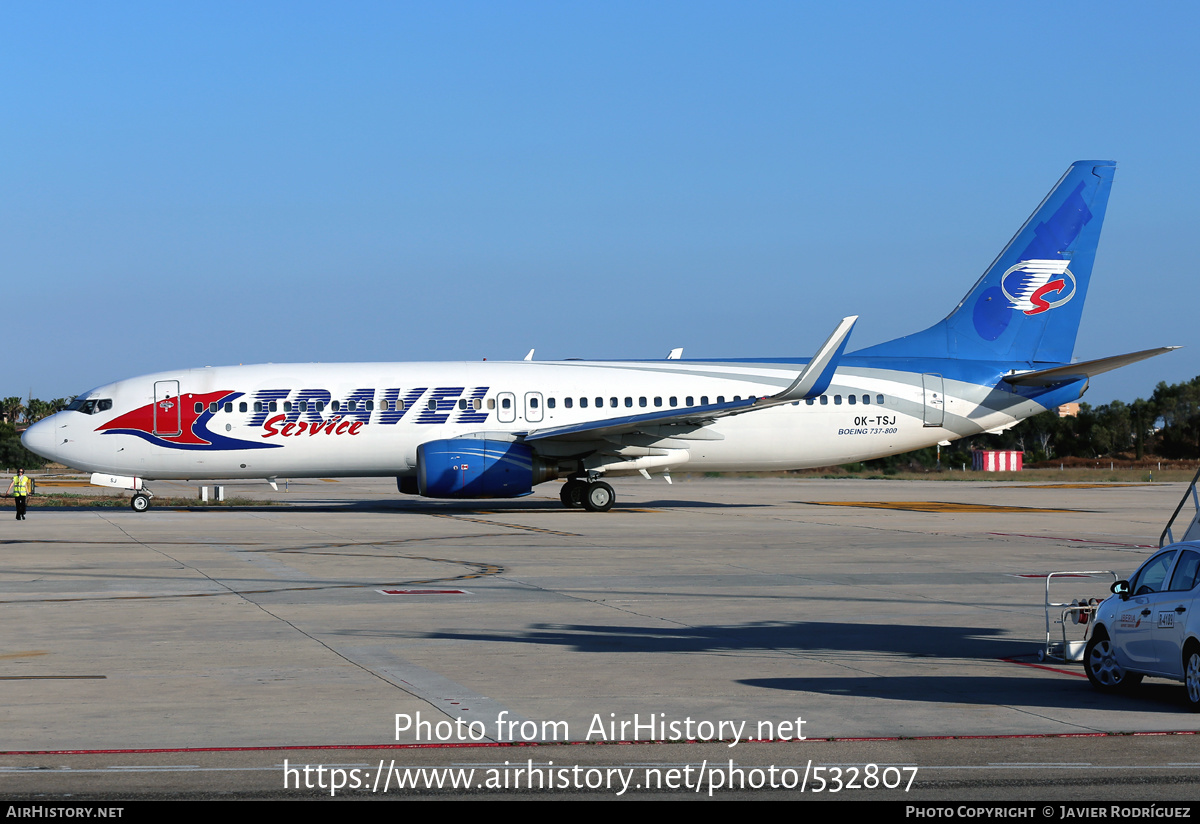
40	438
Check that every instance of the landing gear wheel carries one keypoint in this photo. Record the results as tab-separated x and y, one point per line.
571	493
140	502
598	497
1105	672
1191	677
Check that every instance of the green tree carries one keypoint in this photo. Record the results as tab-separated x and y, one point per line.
12	454
11	410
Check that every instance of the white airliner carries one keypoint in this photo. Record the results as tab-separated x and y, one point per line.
497	429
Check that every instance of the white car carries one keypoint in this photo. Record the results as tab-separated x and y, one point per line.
1150	625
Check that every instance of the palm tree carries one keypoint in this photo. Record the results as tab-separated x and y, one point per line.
11	409
37	410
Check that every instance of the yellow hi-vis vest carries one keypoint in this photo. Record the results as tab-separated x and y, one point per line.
20	485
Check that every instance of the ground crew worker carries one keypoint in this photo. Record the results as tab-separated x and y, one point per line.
19	489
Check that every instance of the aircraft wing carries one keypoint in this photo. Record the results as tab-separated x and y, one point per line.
1079	371
812	380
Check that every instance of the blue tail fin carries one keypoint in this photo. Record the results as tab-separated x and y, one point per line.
1027	305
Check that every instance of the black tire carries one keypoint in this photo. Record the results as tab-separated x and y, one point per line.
1191	675
571	494
140	503
1103	670
599	497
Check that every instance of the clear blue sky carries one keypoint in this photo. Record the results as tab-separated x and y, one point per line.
187	184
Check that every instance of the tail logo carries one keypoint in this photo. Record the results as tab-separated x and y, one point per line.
1035	286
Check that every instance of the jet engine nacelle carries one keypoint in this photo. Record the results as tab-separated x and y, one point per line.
479	468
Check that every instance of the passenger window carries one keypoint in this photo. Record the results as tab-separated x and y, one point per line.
477	404
533	403
371	406
274	407
549	403
335	406
258	406
674	401
491	403
320	406
351	406
506	403
720	399
851	399
691	401
432	405
242	406
287	406
824	400
737	397
703	400
1150	577
1184	576
810	401
462	403
199	408
658	401
229	407
613	403
568	402
641	402
879	399
600	402
399	406
867	399
583	403
628	401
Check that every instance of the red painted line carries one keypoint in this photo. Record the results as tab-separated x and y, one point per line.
1048	574
294	748
1078	540
423	592
1042	667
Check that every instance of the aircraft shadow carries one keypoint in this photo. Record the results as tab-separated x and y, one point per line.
420	507
799	636
940	645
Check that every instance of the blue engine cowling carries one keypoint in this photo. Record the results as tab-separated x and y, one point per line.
478	468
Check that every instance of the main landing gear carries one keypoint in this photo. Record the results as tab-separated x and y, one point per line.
594	496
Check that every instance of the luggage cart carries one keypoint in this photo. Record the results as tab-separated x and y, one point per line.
1079	612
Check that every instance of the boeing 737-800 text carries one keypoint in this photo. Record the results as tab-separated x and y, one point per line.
497	429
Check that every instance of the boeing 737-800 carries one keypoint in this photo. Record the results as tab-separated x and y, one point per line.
497	429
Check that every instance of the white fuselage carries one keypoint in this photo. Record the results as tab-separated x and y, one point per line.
311	420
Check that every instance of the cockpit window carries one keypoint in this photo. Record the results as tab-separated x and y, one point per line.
90	406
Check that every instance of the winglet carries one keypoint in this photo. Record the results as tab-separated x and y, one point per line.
816	376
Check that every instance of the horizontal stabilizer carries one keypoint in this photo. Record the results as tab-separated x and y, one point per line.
1080	371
